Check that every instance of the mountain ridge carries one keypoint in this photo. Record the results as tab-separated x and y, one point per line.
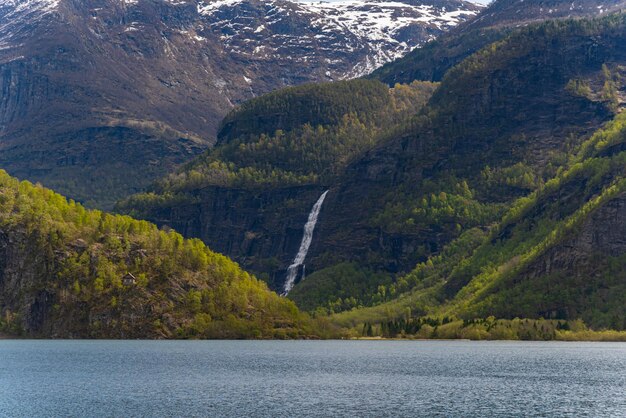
103	96
431	62
495	129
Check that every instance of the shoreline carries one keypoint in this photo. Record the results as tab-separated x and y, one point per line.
575	339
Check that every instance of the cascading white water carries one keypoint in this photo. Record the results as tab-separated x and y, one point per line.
307	237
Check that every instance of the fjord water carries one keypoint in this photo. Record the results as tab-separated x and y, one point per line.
311	378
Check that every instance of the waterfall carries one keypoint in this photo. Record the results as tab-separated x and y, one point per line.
307	237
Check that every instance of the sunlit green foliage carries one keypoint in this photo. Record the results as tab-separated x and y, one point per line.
488	273
579	87
488	328
341	287
519	175
181	288
447	205
316	104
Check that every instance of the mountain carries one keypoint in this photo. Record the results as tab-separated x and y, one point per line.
498	127
100	97
445	209
250	195
68	272
433	60
558	253
507	13
405	181
335	40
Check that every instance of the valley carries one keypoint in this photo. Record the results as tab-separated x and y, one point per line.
472	188
418	192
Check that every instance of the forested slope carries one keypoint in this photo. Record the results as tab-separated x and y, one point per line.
426	179
558	253
499	126
74	273
249	196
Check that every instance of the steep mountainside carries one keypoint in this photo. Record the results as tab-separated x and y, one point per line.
68	272
558	253
99	97
522	12
497	127
334	40
250	195
433	60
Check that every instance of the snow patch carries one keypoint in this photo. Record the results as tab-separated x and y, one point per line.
205	8
379	22
15	13
375	26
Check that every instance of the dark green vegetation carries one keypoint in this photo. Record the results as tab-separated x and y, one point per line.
341	287
497	128
432	61
66	272
489	329
249	196
495	186
296	136
558	253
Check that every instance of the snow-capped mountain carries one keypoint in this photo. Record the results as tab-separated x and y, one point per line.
390	29
332	40
118	91
352	37
494	23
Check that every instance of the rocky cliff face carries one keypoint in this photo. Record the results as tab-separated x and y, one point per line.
262	229
333	40
21	271
142	84
602	235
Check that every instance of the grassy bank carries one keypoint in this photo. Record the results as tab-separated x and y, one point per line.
484	329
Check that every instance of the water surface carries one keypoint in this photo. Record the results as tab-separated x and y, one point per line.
311	378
